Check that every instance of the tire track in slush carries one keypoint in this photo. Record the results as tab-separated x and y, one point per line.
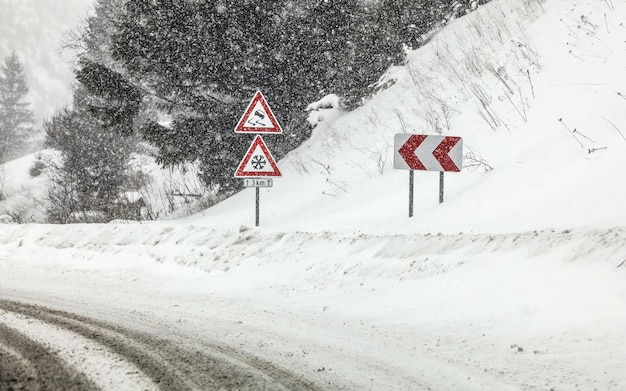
27	365
106	369
170	366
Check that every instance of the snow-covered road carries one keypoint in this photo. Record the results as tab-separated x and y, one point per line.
523	311
43	348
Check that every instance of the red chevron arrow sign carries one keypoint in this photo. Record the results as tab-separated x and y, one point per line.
426	152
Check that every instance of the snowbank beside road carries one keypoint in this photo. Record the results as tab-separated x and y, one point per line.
482	311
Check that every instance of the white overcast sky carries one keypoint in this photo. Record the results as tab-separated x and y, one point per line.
34	29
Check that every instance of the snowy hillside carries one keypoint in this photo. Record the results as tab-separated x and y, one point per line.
538	102
515	282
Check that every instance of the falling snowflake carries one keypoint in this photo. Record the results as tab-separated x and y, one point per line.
258	162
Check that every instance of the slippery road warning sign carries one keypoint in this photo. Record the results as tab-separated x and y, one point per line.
258	162
258	117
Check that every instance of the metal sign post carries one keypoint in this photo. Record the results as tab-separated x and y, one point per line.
257	183
411	193
258	198
441	187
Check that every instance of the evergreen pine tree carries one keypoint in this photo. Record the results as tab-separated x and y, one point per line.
93	171
201	63
16	118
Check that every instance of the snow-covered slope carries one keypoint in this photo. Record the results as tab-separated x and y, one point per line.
549	128
515	282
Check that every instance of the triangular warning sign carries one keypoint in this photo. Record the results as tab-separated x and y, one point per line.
258	117
258	162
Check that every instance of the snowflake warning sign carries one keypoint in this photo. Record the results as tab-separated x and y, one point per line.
258	117
258	161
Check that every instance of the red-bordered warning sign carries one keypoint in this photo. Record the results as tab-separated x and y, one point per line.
258	117
258	161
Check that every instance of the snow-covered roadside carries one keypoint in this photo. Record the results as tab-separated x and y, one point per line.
536	310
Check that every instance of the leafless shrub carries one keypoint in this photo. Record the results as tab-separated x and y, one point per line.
326	167
575	133
298	163
23	207
462	70
525	49
472	160
179	192
532	8
401	120
592	150
609	3
520	107
500	74
484	107
336	188
379	155
615	127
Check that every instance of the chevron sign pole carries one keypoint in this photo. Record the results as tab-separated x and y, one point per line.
427	153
